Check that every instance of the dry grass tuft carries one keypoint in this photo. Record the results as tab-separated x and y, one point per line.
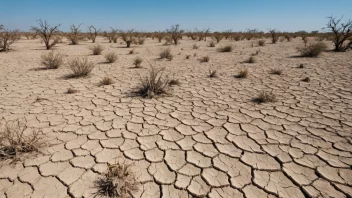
188	56
80	67
261	42
264	97
306	79
242	74
212	44
166	53
119	181
137	62
154	84
106	81
313	50
131	51
212	74
251	59
97	49
16	139
204	59
111	57
301	66
276	71
227	48
195	46
71	91
52	60
174	82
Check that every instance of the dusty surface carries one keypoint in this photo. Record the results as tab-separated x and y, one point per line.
207	139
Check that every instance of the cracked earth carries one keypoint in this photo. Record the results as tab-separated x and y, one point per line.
208	139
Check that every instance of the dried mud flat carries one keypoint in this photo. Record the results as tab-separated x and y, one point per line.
208	139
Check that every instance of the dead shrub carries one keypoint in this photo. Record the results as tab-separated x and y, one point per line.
251	59
227	48
132	51
301	66
212	44
166	53
242	74
119	181
342	34
137	62
195	46
261	42
52	60
45	31
15	139
188	56
265	97
97	49
204	59
80	67
71	91
154	84
7	38
306	79
212	74
313	50
106	81
111	57
276	71
274	35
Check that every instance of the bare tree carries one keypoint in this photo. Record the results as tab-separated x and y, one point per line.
342	33
93	33
176	33
74	36
218	37
274	35
7	37
45	31
127	37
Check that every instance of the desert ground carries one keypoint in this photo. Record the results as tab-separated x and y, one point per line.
207	138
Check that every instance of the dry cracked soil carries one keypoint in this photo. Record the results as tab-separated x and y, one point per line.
207	139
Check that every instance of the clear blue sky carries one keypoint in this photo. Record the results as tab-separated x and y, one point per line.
152	15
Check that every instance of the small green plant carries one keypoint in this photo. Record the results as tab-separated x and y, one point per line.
111	57
52	60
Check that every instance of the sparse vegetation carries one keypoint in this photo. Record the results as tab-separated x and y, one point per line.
52	60
265	97
251	59
106	81
313	50
195	46
276	71
16	138
46	32
154	84
175	33
71	91
119	181
242	74
127	37
93	33
166	53
111	57
137	62
212	44
188	56
132	51
97	49
174	82
227	48
306	79
274	35
301	65
75	35
204	59
80	67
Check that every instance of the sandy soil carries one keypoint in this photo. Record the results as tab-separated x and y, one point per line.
207	139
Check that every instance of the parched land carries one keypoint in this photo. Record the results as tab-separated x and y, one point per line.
208	138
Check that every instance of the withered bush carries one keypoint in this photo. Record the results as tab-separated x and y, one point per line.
251	59
80	67
97	49
93	33
71	91
313	50
261	42
212	74
118	182
154	84
166	53
227	48
137	62
106	81
15	139
127	37
7	38
276	71
110	57
75	35
46	32
342	32
52	60
242	74
265	97
212	44
175	33
195	46
274	35
204	59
